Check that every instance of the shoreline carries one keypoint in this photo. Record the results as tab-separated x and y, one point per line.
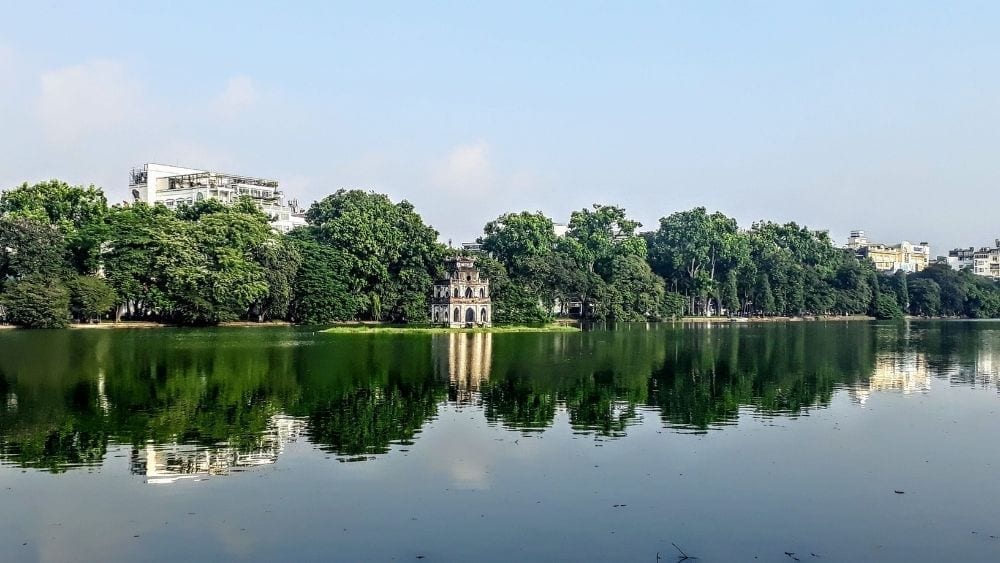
403	329
559	325
807	318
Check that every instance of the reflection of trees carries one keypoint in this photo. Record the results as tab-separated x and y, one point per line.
177	394
51	416
711	372
515	402
365	392
67	394
600	377
367	419
603	407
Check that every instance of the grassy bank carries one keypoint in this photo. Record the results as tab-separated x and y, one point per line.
416	329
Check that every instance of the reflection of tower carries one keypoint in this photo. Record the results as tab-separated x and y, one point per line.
465	358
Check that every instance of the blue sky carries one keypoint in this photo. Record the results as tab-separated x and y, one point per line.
882	116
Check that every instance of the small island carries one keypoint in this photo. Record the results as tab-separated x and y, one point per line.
428	329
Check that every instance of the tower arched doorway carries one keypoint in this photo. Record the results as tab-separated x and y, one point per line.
470	315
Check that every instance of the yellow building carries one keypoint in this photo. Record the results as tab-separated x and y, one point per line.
904	256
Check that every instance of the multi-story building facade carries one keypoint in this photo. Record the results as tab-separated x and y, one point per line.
961	258
174	186
463	298
982	262
905	256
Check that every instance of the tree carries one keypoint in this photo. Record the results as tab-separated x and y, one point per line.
692	249
983	298
853	295
886	307
901	291
204	264
392	256
148	247
90	297
514	238
603	234
953	288
634	292
280	261
765	297
513	304
730	294
321	289
673	305
925	297
76	211
228	279
36	303
30	247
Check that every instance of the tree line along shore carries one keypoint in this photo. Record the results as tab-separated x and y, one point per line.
66	255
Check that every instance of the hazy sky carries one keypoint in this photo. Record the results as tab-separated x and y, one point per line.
837	115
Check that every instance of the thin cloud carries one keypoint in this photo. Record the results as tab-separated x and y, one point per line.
239	96
78	100
465	170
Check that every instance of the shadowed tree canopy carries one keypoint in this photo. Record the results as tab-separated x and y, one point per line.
392	256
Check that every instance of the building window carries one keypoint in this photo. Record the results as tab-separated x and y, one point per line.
482	292
468	293
457	316
456	292
482	316
470	315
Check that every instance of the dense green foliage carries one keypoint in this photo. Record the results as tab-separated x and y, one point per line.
363	257
90	297
35	303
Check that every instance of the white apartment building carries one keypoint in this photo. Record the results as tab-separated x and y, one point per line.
982	262
174	186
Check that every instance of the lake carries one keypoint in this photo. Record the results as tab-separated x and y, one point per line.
831	441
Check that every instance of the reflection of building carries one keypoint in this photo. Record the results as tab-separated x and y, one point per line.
174	186
465	359
904	256
987	365
167	463
907	373
463	298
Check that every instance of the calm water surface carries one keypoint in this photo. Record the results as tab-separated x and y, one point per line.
737	443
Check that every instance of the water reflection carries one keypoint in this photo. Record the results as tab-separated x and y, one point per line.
170	462
464	361
906	373
194	404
